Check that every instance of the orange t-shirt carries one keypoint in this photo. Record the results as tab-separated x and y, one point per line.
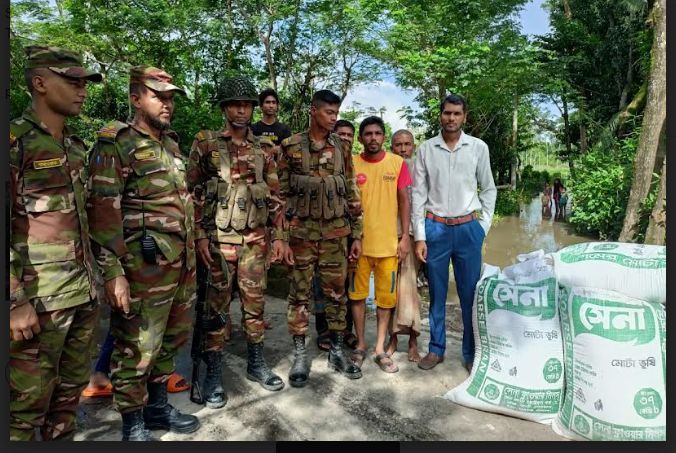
378	182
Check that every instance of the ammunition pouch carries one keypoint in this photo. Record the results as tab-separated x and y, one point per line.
317	197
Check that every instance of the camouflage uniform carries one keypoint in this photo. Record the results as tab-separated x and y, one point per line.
236	192
50	266
138	184
239	253
319	241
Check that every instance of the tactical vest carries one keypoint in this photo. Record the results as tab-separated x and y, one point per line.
236	205
318	197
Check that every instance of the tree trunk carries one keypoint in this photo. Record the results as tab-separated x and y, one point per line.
566	125
657	226
584	144
653	119
566	10
628	81
515	128
265	39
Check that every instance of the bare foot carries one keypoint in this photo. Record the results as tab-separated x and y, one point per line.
413	355
392	345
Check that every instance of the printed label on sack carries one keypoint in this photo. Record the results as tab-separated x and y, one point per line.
526	300
613	320
604	252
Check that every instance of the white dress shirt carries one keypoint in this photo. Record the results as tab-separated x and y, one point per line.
445	182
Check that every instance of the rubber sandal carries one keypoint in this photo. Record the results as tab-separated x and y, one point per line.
350	340
98	392
358	357
324	341
177	384
386	363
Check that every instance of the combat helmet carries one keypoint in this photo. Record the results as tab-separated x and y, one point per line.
237	89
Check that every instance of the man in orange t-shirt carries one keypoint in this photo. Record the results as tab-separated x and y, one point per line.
383	179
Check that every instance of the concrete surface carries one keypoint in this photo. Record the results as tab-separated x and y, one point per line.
402	406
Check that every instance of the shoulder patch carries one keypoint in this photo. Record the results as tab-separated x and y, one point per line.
18	128
293	140
111	130
204	134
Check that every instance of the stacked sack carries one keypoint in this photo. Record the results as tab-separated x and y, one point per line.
576	338
518	364
613	319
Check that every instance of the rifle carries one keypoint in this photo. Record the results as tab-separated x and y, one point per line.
203	325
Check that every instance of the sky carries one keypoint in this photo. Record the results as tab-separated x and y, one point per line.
534	21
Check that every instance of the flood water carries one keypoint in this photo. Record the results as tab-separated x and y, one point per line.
527	232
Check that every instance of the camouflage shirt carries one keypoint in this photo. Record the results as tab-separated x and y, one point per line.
50	258
136	182
321	164
204	164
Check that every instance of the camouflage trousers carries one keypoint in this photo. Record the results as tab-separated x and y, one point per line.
330	255
158	323
246	263
48	372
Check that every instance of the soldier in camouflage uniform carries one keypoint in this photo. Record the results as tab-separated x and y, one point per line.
141	224
317	179
233	178
53	312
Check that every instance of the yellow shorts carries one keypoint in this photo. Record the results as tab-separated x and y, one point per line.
385	273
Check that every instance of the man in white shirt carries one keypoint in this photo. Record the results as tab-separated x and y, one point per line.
449	168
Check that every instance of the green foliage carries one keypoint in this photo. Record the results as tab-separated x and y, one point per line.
312	44
507	202
601	189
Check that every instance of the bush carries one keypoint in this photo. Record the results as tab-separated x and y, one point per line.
507	202
601	189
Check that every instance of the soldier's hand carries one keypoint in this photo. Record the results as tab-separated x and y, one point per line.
117	293
23	322
355	251
203	251
421	250
288	255
278	249
404	247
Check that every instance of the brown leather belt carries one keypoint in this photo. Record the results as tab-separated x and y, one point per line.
452	220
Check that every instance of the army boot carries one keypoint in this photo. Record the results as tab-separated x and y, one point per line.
340	361
214	392
300	371
258	370
159	414
133	427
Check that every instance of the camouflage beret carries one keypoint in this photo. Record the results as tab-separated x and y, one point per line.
154	78
64	62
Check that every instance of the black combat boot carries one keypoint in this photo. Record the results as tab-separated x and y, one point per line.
133	427
214	392
300	371
257	370
340	361
159	414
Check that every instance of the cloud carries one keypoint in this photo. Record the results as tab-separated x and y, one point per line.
382	94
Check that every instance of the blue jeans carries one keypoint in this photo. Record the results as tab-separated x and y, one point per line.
461	244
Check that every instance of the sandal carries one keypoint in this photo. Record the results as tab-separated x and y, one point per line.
386	363
350	340
98	392
358	357
177	383
324	341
